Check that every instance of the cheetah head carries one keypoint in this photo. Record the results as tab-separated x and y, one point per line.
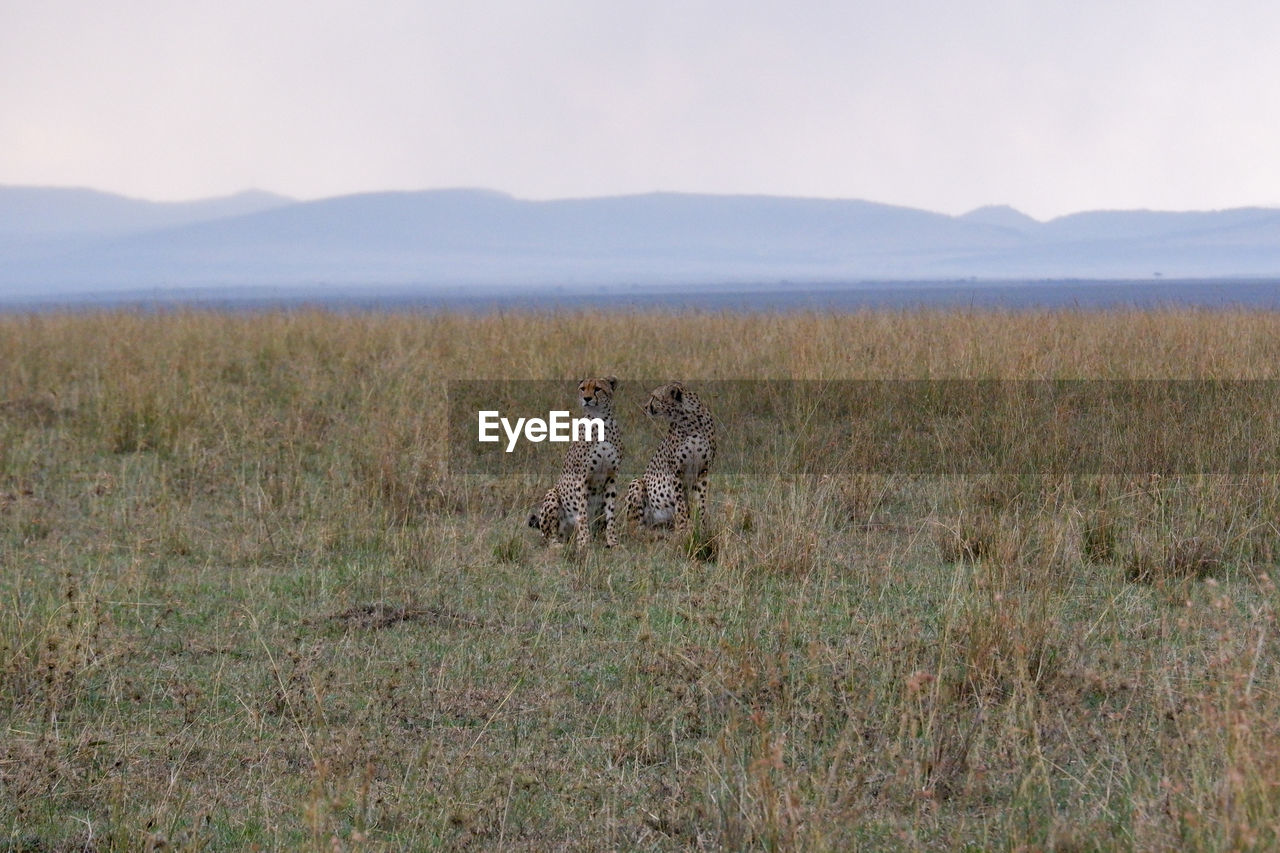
666	400
535	520
597	393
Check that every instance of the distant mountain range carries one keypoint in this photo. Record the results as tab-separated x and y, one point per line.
63	241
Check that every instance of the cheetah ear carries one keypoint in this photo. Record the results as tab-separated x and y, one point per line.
613	382
677	391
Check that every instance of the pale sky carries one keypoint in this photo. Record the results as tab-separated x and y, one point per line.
1052	107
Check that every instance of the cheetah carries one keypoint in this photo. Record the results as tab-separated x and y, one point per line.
588	482
677	472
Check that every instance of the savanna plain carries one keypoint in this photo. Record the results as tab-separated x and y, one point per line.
248	601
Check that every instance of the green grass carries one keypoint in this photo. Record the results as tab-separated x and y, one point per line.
245	602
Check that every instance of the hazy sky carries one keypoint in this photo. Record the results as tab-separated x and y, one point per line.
1049	106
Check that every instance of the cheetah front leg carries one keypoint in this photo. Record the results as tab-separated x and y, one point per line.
681	519
699	490
578	512
610	496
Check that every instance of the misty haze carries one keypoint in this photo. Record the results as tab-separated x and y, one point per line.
60	245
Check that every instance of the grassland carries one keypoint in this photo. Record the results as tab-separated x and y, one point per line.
246	602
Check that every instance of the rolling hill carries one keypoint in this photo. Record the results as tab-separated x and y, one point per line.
54	240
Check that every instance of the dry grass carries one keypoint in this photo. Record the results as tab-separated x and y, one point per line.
245	601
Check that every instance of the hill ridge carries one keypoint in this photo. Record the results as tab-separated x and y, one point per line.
468	236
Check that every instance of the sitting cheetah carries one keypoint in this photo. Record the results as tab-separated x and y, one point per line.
588	481
677	471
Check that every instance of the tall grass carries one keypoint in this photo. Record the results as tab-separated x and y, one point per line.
245	600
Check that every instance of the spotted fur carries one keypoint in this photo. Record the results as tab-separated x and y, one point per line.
588	482
676	475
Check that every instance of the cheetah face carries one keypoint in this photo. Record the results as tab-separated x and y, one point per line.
666	400
595	394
